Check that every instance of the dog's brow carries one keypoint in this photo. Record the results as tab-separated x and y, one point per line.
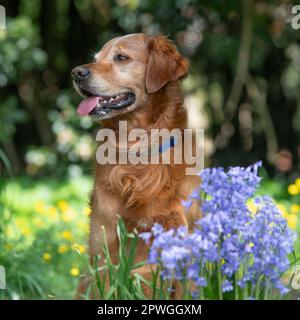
120	46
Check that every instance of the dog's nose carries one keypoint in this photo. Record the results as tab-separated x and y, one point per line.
80	73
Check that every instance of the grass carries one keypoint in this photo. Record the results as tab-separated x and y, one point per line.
42	242
43	232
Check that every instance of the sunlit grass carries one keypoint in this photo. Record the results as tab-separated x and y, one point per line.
44	227
43	240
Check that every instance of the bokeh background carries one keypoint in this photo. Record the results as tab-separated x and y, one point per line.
243	88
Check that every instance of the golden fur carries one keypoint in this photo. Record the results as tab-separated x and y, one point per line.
141	194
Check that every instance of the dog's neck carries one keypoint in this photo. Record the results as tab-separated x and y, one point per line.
162	110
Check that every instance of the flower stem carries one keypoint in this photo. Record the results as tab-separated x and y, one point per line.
220	293
236	292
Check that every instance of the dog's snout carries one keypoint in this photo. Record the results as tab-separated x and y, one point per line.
80	73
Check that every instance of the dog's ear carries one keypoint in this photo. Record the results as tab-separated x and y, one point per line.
165	63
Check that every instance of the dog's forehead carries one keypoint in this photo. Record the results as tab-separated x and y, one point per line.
132	43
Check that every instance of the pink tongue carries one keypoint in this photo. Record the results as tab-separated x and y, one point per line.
87	105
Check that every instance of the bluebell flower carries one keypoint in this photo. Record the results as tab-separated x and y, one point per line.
146	236
253	246
227	286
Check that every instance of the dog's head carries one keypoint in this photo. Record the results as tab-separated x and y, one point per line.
124	72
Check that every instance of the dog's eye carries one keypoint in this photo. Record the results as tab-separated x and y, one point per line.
120	57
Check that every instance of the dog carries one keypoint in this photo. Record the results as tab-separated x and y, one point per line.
135	78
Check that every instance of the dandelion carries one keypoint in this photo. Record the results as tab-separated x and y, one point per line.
251	206
39	207
297	183
63	205
62	248
87	211
292	221
295	208
67	235
293	189
52	210
78	247
25	230
47	257
74	272
282	209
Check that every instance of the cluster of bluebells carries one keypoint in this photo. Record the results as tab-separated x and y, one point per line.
253	244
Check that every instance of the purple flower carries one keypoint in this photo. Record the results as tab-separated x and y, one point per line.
227	286
253	246
146	236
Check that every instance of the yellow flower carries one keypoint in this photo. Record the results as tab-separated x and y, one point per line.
295	208
74	272
251	244
67	235
62	248
79	247
297	182
292	221
87	211
39	207
25	230
293	189
52	210
252	207
46	256
282	209
63	205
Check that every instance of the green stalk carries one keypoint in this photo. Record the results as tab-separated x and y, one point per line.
98	279
236	292
257	289
245	291
266	293
201	291
220	292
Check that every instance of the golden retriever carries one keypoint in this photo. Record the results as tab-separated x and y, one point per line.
135	78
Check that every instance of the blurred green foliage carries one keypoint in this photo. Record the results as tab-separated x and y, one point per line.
243	86
43	236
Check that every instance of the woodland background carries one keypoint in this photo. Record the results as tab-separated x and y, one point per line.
243	89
